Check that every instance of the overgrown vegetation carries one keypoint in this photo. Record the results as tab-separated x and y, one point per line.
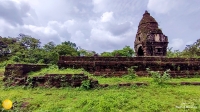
86	84
126	51
190	51
27	49
158	77
53	69
153	97
131	73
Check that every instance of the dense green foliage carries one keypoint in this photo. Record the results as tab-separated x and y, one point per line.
126	51
26	49
190	51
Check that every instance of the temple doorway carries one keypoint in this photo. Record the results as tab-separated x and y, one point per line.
140	51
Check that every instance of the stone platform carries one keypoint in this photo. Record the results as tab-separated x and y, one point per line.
117	66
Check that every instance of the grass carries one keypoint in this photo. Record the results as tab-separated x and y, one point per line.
133	99
185	80
2	71
152	98
55	70
117	80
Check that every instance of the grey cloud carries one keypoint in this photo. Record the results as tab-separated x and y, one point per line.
43	38
118	29
64	10
12	13
182	22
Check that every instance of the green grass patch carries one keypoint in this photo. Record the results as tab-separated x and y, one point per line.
152	98
117	80
184	80
55	70
2	69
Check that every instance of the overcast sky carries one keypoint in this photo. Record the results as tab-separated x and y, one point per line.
99	25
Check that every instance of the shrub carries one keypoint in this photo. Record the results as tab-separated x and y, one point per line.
158	77
86	84
131	73
15	58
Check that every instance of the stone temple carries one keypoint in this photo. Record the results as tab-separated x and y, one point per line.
149	40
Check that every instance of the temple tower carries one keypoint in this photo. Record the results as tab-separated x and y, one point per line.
149	40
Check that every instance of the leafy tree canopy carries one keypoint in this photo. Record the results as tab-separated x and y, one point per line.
126	51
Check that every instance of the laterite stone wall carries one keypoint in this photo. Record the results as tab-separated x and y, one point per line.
17	75
117	66
20	70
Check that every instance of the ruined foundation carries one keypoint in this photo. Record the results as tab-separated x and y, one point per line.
117	66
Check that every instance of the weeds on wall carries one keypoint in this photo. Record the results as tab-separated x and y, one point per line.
197	75
86	84
159	78
131	73
29	83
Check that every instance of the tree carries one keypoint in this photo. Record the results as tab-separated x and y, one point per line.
67	49
4	48
192	50
50	46
83	52
175	53
126	51
71	44
106	54
29	42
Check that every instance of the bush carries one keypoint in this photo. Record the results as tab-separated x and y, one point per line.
158	77
131	73
15	58
86	84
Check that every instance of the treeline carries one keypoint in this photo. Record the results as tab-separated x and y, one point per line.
190	51
27	49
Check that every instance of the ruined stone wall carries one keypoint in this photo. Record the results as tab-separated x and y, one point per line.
21	70
52	80
17	75
117	66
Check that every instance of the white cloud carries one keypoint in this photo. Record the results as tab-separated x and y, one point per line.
120	28
107	16
45	30
103	39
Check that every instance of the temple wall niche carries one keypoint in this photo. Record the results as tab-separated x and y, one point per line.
157	37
